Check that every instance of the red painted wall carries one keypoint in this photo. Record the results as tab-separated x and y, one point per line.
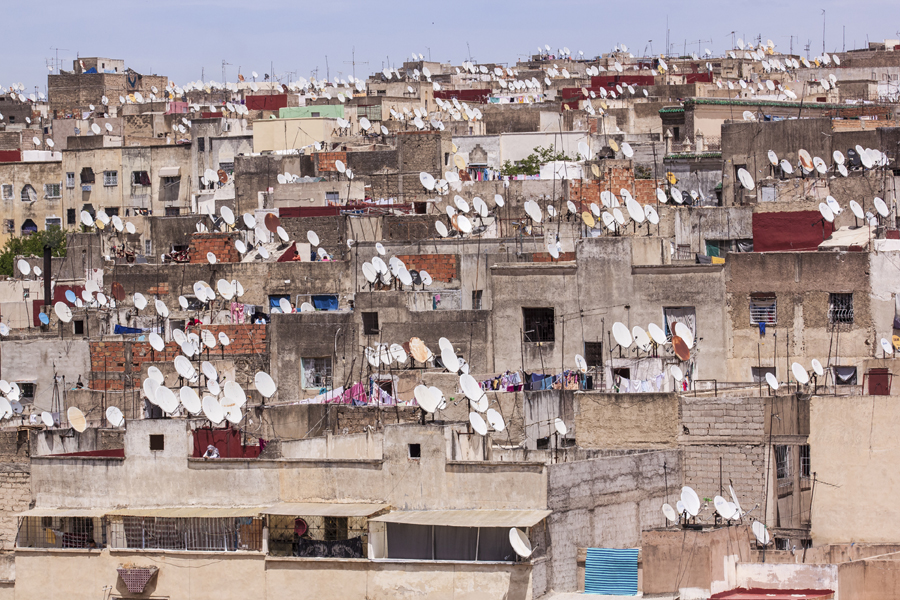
789	231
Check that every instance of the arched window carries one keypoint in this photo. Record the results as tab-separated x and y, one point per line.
28	194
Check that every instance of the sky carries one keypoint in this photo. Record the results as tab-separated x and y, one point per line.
189	39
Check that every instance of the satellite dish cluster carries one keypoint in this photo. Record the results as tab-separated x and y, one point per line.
690	507
395	270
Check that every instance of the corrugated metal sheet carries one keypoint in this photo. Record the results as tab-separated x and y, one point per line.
64	512
188	511
324	509
612	572
466	518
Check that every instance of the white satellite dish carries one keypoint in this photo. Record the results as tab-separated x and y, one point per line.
817	367
478	424
63	312
746	179
23	266
115	416
770	379
800	373
690	500
826	212
676	372
725	508
213	410
560	426
684	332
670	513
427	400
761	533
519	542
856	209
622	335
886	346
881	207
190	400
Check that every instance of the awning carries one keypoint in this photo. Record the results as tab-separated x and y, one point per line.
324	509
170	171
188	511
466	518
64	512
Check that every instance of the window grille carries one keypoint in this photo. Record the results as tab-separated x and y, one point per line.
316	372
763	310
110	178
201	534
61	532
840	308
52	190
538	324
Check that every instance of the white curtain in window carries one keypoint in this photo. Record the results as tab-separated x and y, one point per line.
686	315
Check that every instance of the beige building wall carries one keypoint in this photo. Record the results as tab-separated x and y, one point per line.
272	135
14	177
854	453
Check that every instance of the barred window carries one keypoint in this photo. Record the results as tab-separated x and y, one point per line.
783	464
52	190
593	354
762	309
538	324
29	194
61	532
804	461
7	191
110	178
840	308
316	372
203	534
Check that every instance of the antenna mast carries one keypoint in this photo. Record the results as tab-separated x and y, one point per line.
353	62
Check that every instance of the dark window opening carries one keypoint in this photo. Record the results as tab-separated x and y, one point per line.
476	299
78	327
201	144
157	442
845	375
27	391
87	175
804	461
173	211
70	216
112	211
593	354
538	324
415	451
370	323
140	178
543	443
759	373
624	372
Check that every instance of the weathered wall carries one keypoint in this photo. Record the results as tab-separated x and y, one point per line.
852	444
626	421
15	483
605	503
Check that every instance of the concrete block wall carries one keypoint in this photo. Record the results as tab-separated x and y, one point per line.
220	244
15	483
606	502
329	229
742	464
723	416
441	267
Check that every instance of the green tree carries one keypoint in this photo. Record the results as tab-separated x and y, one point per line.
531	164
31	245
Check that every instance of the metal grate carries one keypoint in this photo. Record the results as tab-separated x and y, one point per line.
61	532
840	308
804	462
200	534
783	465
763	310
136	579
538	324
319	536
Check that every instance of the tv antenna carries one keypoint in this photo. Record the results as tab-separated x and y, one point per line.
353	62
224	79
56	63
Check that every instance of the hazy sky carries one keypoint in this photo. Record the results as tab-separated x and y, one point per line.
181	38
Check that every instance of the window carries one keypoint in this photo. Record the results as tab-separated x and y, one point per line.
844	375
87	175
315	372
78	327
783	465
370	323
9	226
201	144
27	391
173	211
759	373
140	178
415	451
593	354
52	223
110	178
840	308
170	190
157	442
538	325
112	211
762	309
29	194
804	462
29	227
228	167
275	302
70	180
7	191
476	299
147	247
52	190
333	196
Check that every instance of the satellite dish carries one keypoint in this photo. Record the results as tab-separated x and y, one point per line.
761	533
820	165
805	160
560	426
47	419
95	129
519	542
838	157
622	335
786	167
676	372
63	312
427	180
690	500
43	318
670	513
725	508
285	306
156	342
634	210
684	332
580	363
213	410
23	266
115	416
826	212
817	367
886	346
770	379
800	373
856	209
282	234
627	150
76	419
652	215
427	400
746	179
190	400
211	258
881	207
478	424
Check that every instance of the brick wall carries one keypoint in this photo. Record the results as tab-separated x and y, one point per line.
220	244
112	360
588	190
441	267
325	161
544	257
15	483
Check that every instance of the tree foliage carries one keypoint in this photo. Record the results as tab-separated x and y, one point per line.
31	245
531	164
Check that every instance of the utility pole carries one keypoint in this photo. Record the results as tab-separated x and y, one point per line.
327	70
224	78
823	31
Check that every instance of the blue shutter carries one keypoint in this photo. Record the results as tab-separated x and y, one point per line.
611	572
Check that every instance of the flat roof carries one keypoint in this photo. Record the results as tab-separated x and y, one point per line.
767	594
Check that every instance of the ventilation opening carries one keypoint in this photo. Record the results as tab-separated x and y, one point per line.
157	442
415	451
